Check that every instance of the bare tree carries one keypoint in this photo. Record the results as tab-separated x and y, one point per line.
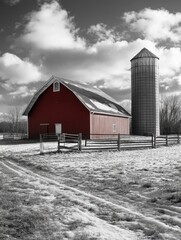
170	115
13	118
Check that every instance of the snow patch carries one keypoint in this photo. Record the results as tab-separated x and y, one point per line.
103	106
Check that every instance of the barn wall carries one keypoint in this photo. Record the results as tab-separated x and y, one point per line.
58	107
103	124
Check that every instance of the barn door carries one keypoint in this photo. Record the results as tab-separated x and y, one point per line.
44	128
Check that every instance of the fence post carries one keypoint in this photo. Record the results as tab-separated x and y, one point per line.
118	142
178	138
152	140
166	138
41	144
86	142
80	141
58	140
155	143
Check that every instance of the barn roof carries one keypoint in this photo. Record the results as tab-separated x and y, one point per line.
94	99
144	53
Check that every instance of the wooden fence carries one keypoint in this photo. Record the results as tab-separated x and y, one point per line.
65	141
166	140
117	142
14	136
70	142
74	142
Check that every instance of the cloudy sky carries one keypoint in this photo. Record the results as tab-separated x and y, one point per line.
90	41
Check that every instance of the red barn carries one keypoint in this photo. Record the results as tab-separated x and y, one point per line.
79	108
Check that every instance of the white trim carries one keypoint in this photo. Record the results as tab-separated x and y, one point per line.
110	114
58	128
56	86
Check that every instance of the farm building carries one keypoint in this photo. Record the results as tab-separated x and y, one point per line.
145	93
71	107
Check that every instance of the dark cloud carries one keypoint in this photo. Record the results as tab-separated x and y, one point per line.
11	2
118	94
170	88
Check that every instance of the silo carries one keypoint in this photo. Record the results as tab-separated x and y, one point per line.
145	93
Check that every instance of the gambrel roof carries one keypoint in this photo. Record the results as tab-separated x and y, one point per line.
95	100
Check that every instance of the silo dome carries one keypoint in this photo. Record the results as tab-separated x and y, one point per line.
145	93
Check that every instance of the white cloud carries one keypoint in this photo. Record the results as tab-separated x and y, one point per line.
60	50
17	71
170	61
10	60
106	60
163	30
109	61
55	38
101	32
51	28
21	91
155	24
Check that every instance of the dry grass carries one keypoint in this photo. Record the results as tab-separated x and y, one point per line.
23	214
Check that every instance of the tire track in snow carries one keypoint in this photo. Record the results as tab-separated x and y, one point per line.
107	228
11	169
142	218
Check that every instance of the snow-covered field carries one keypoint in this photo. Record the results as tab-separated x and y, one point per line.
126	195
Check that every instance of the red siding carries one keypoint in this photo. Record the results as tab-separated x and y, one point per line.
103	124
58	107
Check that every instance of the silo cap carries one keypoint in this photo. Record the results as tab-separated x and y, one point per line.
144	53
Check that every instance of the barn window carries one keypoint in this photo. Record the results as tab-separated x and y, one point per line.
56	86
114	127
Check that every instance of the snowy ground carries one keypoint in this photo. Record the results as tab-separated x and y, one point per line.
127	195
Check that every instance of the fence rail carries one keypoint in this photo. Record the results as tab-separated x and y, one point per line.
14	136
119	142
74	142
166	140
70	142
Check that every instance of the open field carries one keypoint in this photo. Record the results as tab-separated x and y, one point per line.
127	195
